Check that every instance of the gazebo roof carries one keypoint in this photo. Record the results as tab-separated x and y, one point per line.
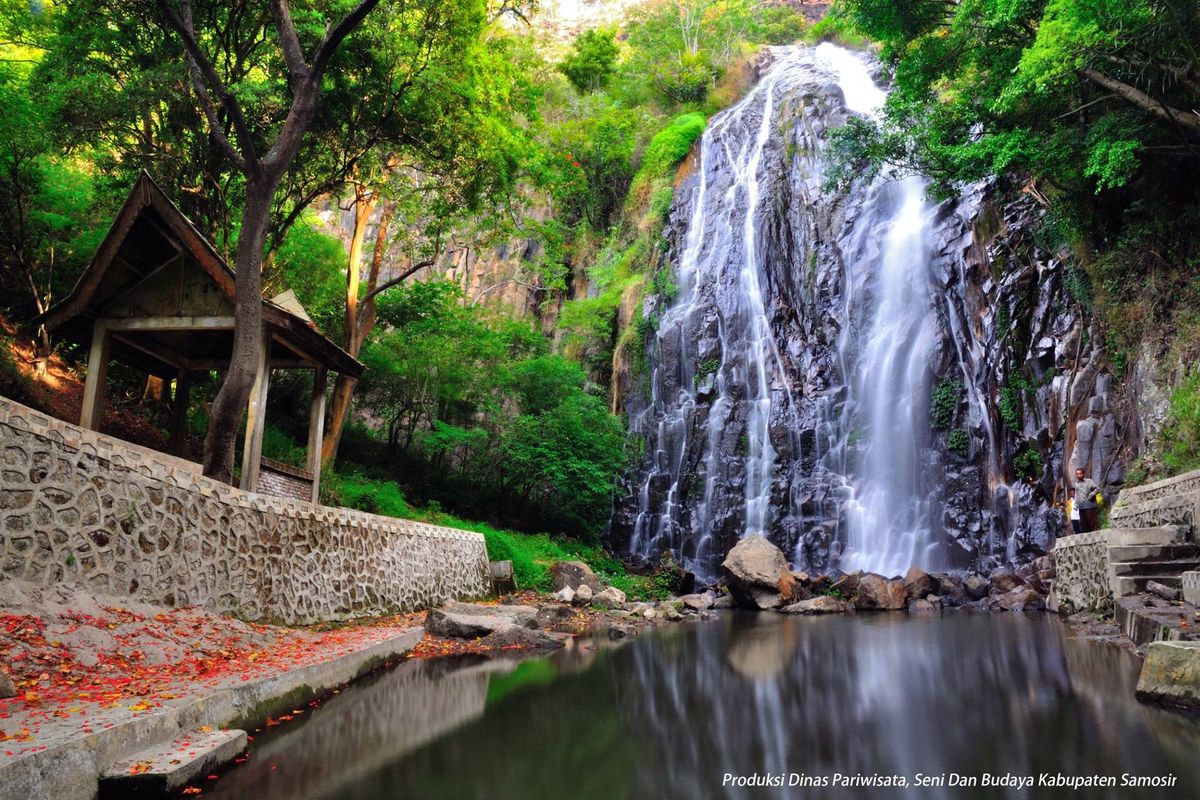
170	298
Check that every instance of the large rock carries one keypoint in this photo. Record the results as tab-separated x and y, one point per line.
466	621
847	585
758	574
950	589
584	595
1017	600
699	602
976	587
565	595
451	625
517	615
575	574
1171	674
1004	581
877	593
822	604
919	584
612	597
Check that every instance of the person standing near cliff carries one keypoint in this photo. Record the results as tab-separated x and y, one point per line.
1087	500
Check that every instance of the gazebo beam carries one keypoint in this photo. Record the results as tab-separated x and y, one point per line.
316	431
93	388
256	418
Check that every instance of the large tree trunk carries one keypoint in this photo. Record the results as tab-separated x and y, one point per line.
359	322
230	402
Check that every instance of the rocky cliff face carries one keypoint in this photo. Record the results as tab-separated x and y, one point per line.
867	378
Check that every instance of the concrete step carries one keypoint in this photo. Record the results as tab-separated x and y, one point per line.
1155	552
169	766
1174	567
1127	585
1164	534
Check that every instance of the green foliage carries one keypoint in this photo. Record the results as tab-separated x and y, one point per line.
1010	406
1078	286
279	446
958	442
312	263
707	367
1027	462
670	145
1179	441
591	61
943	403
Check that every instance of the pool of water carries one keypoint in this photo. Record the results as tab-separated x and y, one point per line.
690	711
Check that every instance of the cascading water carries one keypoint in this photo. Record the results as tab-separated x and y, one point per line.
884	420
790	374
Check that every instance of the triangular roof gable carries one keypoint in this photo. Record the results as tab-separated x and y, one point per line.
145	194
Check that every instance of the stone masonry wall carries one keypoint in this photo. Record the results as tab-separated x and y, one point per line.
76	505
1081	572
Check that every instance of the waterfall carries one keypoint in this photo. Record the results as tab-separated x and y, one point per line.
789	377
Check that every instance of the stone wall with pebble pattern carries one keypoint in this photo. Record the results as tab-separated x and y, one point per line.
1191	588
1171	501
80	506
1081	573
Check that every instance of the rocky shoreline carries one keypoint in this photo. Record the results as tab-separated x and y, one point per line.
756	578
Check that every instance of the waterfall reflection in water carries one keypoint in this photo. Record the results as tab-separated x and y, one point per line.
669	714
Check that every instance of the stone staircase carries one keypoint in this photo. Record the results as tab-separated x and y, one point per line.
1152	538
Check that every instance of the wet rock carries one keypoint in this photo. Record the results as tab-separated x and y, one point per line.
724	601
934	601
821	604
877	593
1018	599
7	689
550	615
950	589
847	585
523	638
918	583
918	605
583	595
565	595
1003	581
758	574
612	597
618	632
976	587
574	574
699	602
451	625
1171	674
670	612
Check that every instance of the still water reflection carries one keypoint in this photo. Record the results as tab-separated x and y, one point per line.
670	714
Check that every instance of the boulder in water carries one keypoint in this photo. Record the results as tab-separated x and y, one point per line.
917	605
976	587
699	602
1017	599
877	593
847	585
918	583
821	604
1004	580
574	574
758	574
950	589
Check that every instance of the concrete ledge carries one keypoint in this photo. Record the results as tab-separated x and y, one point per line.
169	767
1171	674
71	771
1145	619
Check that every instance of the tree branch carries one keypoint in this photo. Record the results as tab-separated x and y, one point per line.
298	70
335	35
1187	120
201	70
403	276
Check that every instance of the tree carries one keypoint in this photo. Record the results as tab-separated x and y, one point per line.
590	63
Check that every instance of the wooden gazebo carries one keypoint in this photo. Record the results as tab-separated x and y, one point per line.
157	296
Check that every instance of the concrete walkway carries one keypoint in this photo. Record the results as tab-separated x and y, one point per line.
65	762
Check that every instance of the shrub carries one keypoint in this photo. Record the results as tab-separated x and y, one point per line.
958	442
943	403
1027	463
